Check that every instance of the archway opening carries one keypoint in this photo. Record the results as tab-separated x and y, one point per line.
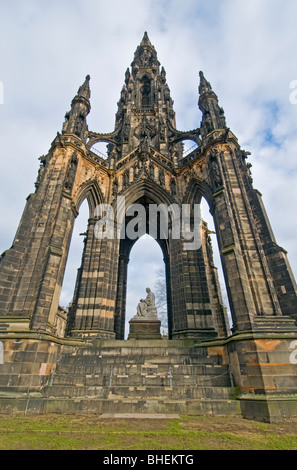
146	269
145	92
188	147
207	217
100	149
74	256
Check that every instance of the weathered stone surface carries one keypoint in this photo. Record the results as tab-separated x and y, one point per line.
144	329
146	165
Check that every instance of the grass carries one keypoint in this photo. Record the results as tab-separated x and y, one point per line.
89	432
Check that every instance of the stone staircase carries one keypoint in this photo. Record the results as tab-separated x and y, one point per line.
141	377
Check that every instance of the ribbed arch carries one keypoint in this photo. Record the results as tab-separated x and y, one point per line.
149	189
89	190
146	192
196	190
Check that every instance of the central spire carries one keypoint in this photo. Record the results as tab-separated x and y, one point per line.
145	106
145	56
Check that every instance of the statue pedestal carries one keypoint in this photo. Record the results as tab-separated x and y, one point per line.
144	328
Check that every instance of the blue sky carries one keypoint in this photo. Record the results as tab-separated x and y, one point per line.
246	49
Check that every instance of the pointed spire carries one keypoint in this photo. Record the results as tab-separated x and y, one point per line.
145	56
212	114
75	119
145	95
84	90
83	95
204	85
145	40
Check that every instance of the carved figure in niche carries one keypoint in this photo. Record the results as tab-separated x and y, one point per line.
79	125
215	170
144	143
175	154
136	167
207	121
166	93
40	171
144	139
173	187
161	177
209	250
249	173
126	178
146	307
162	129
70	176
115	187
126	129
152	170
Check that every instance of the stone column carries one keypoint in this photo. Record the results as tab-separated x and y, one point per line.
120	310
37	247
53	272
96	290
247	276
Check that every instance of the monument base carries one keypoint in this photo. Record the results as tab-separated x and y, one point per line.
144	329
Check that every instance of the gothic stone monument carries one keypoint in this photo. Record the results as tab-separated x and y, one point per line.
54	360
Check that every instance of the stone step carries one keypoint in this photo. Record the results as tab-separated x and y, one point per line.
140	369
126	348
127	405
71	361
118	392
221	378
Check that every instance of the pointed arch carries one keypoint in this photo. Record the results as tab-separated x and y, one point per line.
147	192
144	192
145	264
197	189
91	191
74	255
147	188
94	138
145	91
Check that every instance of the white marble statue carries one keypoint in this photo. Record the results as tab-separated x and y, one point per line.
146	307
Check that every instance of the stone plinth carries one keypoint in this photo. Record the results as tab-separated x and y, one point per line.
144	328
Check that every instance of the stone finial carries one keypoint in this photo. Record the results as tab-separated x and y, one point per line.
84	89
204	85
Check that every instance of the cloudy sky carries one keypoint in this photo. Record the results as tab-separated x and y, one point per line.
246	49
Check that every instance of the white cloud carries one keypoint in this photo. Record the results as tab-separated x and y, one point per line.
247	51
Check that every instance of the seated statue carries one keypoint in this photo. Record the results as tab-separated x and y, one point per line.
147	307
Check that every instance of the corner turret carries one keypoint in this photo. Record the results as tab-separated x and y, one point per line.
75	120
212	114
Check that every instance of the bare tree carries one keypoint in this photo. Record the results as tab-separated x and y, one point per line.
161	299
